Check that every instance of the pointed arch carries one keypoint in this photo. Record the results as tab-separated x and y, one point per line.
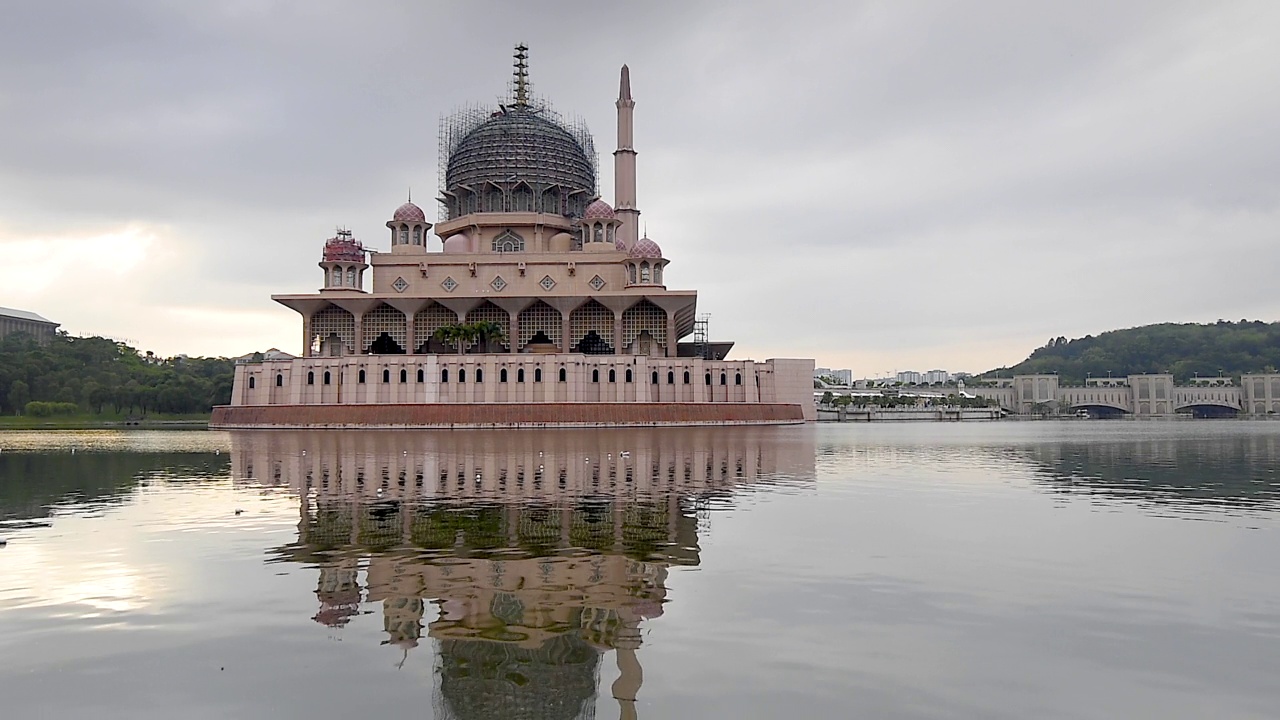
551	201
335	329
644	329
540	318
507	241
488	312
384	320
522	198
494	201
426	322
591	329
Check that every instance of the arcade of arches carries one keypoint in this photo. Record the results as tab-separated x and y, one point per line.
641	328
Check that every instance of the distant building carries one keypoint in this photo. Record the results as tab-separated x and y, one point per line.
22	321
843	377
910	377
937	376
272	354
1151	395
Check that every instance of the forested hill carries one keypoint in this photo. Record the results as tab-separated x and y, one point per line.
1230	348
97	374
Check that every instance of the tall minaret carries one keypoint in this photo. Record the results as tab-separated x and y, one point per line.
624	166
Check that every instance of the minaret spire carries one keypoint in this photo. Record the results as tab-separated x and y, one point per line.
624	165
521	75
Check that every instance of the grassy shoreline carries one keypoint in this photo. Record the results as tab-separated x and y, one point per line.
96	422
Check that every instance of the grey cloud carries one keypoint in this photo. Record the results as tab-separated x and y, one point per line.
923	182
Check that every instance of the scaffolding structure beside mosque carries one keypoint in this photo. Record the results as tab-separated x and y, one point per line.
580	326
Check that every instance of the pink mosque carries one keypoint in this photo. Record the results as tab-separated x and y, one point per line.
579	328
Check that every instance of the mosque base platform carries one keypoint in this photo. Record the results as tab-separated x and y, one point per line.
502	415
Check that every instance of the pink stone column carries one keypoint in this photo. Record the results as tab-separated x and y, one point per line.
513	342
671	334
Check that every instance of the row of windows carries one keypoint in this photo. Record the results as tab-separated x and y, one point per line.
444	376
502	376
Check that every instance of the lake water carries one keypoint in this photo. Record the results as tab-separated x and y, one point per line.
997	570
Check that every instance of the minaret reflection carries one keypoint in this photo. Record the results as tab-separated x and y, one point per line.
528	556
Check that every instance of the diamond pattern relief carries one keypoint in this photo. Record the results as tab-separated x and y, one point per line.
498	283
597	282
400	285
547	282
449	284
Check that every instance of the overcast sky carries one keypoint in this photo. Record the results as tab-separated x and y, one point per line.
880	186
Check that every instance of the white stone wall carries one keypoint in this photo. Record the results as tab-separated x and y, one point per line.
395	379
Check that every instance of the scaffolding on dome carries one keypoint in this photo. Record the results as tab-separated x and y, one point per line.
343	247
458	125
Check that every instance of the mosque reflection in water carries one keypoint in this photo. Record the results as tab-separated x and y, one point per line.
540	551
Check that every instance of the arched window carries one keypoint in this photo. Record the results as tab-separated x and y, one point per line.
336	277
404	375
386	375
644	271
537	374
361	377
563	375
417	235
628	376
595	375
351	277
686	377
311	377
608	237
279	380
326	377
613	376
655	377
520	375
420	374
631	272
479	375
657	273
444	375
502	375
723	379
707	378
507	241
250	382
737	378
462	375
404	234
671	377
598	233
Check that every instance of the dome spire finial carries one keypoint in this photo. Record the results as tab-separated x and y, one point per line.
521	74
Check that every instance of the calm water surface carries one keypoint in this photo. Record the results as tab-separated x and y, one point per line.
1003	570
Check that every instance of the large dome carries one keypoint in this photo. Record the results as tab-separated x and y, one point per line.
521	144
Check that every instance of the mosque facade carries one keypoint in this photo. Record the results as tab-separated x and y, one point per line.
531	301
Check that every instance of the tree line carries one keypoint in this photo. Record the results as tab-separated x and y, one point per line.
1185	350
71	375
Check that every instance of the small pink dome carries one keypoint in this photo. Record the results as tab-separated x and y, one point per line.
598	210
409	212
646	248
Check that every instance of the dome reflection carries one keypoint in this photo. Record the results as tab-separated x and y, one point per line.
526	556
